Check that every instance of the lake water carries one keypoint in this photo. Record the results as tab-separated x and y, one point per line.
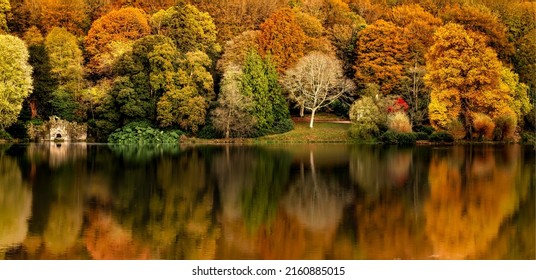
81	201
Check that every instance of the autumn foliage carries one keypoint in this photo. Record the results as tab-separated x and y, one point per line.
282	38
382	51
123	25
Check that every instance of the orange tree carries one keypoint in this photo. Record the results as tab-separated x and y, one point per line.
483	22
123	25
282	37
381	53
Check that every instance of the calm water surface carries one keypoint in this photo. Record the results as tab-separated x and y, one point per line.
78	201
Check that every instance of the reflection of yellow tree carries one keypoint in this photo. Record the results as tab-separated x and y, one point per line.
180	223
65	216
516	238
15	204
470	197
388	229
63	227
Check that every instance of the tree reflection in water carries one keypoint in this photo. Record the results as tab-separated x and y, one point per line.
15	205
267	202
473	190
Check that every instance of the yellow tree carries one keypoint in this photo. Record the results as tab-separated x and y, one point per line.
382	52
5	7
15	78
484	22
464	77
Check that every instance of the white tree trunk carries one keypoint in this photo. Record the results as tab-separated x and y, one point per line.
302	109
312	118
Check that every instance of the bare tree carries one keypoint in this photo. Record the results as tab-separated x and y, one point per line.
316	81
233	114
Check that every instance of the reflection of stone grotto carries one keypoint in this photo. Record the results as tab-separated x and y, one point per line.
58	154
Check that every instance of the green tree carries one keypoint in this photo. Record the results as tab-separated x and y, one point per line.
15	78
186	102
157	82
44	84
519	100
66	67
260	82
464	77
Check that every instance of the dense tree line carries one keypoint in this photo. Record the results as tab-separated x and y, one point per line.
236	68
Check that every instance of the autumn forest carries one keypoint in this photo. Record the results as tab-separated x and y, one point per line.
399	70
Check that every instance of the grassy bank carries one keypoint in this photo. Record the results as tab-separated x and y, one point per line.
322	132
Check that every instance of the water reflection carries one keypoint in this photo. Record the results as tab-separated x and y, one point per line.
473	191
15	204
266	202
376	168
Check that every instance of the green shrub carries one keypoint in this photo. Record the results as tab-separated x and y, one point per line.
209	132
394	138
18	130
505	127
529	138
421	135
143	133
285	125
389	137
456	129
441	137
424	128
4	135
364	131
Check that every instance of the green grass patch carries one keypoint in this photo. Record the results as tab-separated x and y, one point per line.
322	132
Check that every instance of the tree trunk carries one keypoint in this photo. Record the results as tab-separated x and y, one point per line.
312	118
302	109
227	129
33	109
